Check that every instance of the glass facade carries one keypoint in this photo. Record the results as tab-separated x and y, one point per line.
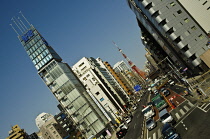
39	51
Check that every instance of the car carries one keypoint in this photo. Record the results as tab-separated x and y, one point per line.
150	124
155	92
165	117
159	102
171	82
123	126
128	120
166	92
121	133
148	112
134	107
139	100
168	132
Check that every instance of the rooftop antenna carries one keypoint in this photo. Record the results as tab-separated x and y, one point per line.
14	29
20	24
25	18
16	24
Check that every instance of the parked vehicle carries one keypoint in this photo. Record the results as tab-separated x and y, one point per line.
165	117
148	111
123	126
128	120
169	132
150	124
159	102
171	82
166	92
121	133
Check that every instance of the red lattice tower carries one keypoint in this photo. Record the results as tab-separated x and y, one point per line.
131	64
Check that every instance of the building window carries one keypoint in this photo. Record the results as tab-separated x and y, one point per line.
170	31
97	93
172	4
185	48
179	12
102	99
149	6
163	22
193	57
187	33
200	36
204	2
193	28
155	14
178	39
81	64
186	20
208	8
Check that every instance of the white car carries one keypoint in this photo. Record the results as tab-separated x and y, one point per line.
148	111
134	107
128	120
123	126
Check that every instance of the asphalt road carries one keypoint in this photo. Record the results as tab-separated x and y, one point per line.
135	126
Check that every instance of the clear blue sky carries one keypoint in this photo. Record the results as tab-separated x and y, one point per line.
75	29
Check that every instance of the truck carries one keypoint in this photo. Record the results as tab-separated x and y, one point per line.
159	102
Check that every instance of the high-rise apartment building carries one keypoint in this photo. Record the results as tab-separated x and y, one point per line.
101	85
17	133
63	83
175	30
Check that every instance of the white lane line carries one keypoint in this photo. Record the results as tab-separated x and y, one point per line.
159	133
154	136
182	112
186	108
177	116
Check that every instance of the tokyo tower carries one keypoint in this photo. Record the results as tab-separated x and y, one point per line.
131	64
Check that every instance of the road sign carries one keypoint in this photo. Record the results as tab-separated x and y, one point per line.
137	87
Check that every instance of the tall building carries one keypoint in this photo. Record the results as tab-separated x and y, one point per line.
17	133
62	82
176	30
97	80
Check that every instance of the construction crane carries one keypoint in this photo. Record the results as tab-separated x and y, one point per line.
131	64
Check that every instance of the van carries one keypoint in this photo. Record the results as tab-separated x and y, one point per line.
165	117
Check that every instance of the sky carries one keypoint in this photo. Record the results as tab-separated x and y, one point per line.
75	29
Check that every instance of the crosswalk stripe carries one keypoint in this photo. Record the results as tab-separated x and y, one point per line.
202	105
154	135
186	108
190	104
177	116
159	133
206	106
182	112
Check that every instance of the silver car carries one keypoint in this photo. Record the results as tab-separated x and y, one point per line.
150	124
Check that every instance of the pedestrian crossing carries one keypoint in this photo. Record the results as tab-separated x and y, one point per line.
176	115
204	107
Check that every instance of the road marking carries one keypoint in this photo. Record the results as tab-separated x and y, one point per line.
206	107
190	104
202	105
134	126
154	135
186	108
177	116
159	133
182	112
